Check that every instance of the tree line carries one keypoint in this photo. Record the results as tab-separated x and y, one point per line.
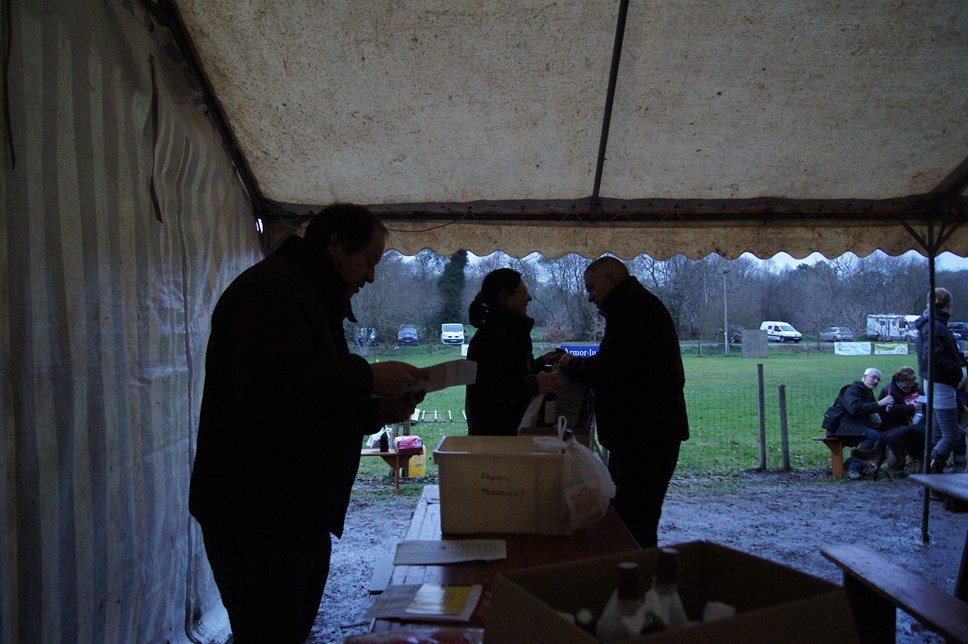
428	289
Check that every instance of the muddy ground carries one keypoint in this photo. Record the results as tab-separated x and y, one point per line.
786	518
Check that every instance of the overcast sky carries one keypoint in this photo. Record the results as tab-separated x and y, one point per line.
946	261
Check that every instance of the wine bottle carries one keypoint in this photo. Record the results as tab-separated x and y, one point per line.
549	403
662	598
622	605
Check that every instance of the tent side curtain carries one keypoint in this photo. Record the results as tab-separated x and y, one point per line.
123	220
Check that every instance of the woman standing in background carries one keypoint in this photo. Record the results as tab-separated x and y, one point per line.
508	375
947	363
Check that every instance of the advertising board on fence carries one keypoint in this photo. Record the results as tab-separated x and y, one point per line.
852	348
890	348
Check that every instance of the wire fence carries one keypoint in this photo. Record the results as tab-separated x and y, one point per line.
735	431
727	435
744	414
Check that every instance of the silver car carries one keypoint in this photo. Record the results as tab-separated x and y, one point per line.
837	334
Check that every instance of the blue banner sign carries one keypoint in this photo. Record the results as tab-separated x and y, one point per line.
581	350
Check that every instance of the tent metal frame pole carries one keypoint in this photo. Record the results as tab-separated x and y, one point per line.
166	13
929	415
623	11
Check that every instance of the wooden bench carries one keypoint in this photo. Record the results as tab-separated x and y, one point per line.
876	587
836	447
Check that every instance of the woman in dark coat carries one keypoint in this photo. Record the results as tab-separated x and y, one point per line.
508	376
903	390
947	364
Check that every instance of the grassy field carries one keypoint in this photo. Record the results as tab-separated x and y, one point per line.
722	400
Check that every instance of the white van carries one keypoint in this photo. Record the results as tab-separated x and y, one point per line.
778	331
452	333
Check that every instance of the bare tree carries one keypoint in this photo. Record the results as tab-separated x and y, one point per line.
568	315
404	292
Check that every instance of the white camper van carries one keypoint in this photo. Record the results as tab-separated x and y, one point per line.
778	331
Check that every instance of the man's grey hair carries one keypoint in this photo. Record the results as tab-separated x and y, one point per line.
871	371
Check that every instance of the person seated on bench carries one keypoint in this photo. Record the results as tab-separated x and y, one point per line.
859	416
904	410
908	414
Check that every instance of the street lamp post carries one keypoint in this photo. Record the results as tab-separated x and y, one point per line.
725	315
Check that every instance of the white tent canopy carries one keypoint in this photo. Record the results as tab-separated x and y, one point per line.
141	139
754	126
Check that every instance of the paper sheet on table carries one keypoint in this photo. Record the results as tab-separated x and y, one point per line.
429	553
448	374
426	602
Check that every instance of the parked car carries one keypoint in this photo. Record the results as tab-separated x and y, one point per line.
452	333
407	334
837	334
958	329
366	336
778	331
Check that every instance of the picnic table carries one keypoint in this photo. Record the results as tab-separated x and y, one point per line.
608	536
876	586
397	459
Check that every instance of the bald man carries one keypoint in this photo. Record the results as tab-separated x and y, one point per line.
638	380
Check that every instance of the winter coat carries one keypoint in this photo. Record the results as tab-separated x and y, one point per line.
858	405
947	359
637	374
506	369
901	412
285	406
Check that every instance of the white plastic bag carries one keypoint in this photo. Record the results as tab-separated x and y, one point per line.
587	486
530	418
374	439
585	482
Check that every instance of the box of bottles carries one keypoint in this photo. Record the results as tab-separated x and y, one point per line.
772	602
499	484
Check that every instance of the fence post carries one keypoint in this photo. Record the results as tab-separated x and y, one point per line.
784	437
762	405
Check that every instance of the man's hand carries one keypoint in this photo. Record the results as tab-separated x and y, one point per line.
552	356
393	379
396	410
564	360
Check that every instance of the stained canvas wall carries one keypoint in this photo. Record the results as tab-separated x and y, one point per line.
122	221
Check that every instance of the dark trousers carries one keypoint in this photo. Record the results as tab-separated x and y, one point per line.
868	443
641	478
270	588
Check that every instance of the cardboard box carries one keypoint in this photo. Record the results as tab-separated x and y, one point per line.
499	484
774	603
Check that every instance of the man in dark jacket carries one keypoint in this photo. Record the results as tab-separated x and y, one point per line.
860	416
284	411
638	380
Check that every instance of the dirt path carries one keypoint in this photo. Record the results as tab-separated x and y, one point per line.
781	517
